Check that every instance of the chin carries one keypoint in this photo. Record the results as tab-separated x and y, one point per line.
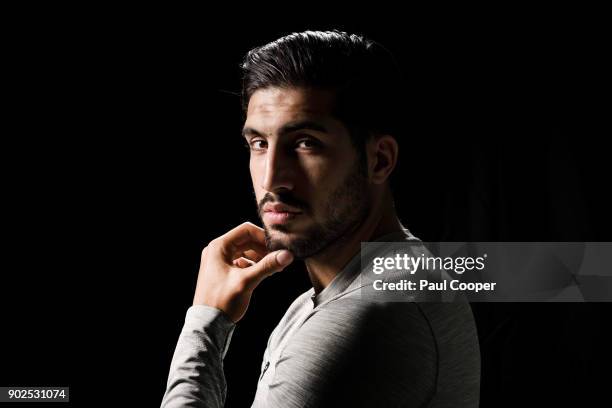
302	245
276	239
281	239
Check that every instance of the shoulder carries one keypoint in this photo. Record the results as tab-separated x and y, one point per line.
371	352
375	332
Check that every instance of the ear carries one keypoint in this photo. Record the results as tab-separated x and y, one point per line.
382	157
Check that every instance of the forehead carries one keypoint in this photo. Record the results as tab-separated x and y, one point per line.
273	106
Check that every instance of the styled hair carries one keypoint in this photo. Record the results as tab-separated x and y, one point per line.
366	80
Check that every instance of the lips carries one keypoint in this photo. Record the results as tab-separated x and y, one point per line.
272	217
279	213
269	207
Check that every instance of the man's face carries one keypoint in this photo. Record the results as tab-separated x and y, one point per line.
309	184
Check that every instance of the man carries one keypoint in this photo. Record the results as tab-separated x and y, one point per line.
323	114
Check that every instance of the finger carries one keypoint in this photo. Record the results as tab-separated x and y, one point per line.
254	255
243	262
251	251
245	232
273	262
243	237
253	248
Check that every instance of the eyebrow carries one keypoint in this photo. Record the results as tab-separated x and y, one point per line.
289	128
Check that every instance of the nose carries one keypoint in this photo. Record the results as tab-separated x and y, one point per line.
278	172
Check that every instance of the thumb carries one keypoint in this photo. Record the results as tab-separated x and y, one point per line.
273	262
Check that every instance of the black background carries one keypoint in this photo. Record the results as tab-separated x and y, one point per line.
122	157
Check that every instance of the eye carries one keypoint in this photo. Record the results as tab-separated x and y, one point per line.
308	144
258	144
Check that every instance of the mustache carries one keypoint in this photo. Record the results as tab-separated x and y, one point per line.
281	198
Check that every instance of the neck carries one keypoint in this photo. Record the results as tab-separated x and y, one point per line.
324	266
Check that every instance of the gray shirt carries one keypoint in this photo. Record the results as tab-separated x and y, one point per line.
334	349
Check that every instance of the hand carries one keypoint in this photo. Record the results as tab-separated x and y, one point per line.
232	266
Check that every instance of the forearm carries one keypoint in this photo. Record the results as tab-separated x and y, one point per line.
196	377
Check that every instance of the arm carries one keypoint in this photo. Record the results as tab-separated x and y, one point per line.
196	373
231	267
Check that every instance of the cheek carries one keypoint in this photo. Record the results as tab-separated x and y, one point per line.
329	178
255	182
253	172
257	170
322	178
316	170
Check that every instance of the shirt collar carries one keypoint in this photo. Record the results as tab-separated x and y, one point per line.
348	274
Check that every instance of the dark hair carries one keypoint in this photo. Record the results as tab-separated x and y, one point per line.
367	81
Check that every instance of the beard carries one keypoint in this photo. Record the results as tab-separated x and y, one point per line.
344	211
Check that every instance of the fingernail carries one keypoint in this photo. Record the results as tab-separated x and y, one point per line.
284	257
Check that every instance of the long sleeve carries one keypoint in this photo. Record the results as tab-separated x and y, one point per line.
196	377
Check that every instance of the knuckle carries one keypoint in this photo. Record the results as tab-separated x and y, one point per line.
247	224
214	244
